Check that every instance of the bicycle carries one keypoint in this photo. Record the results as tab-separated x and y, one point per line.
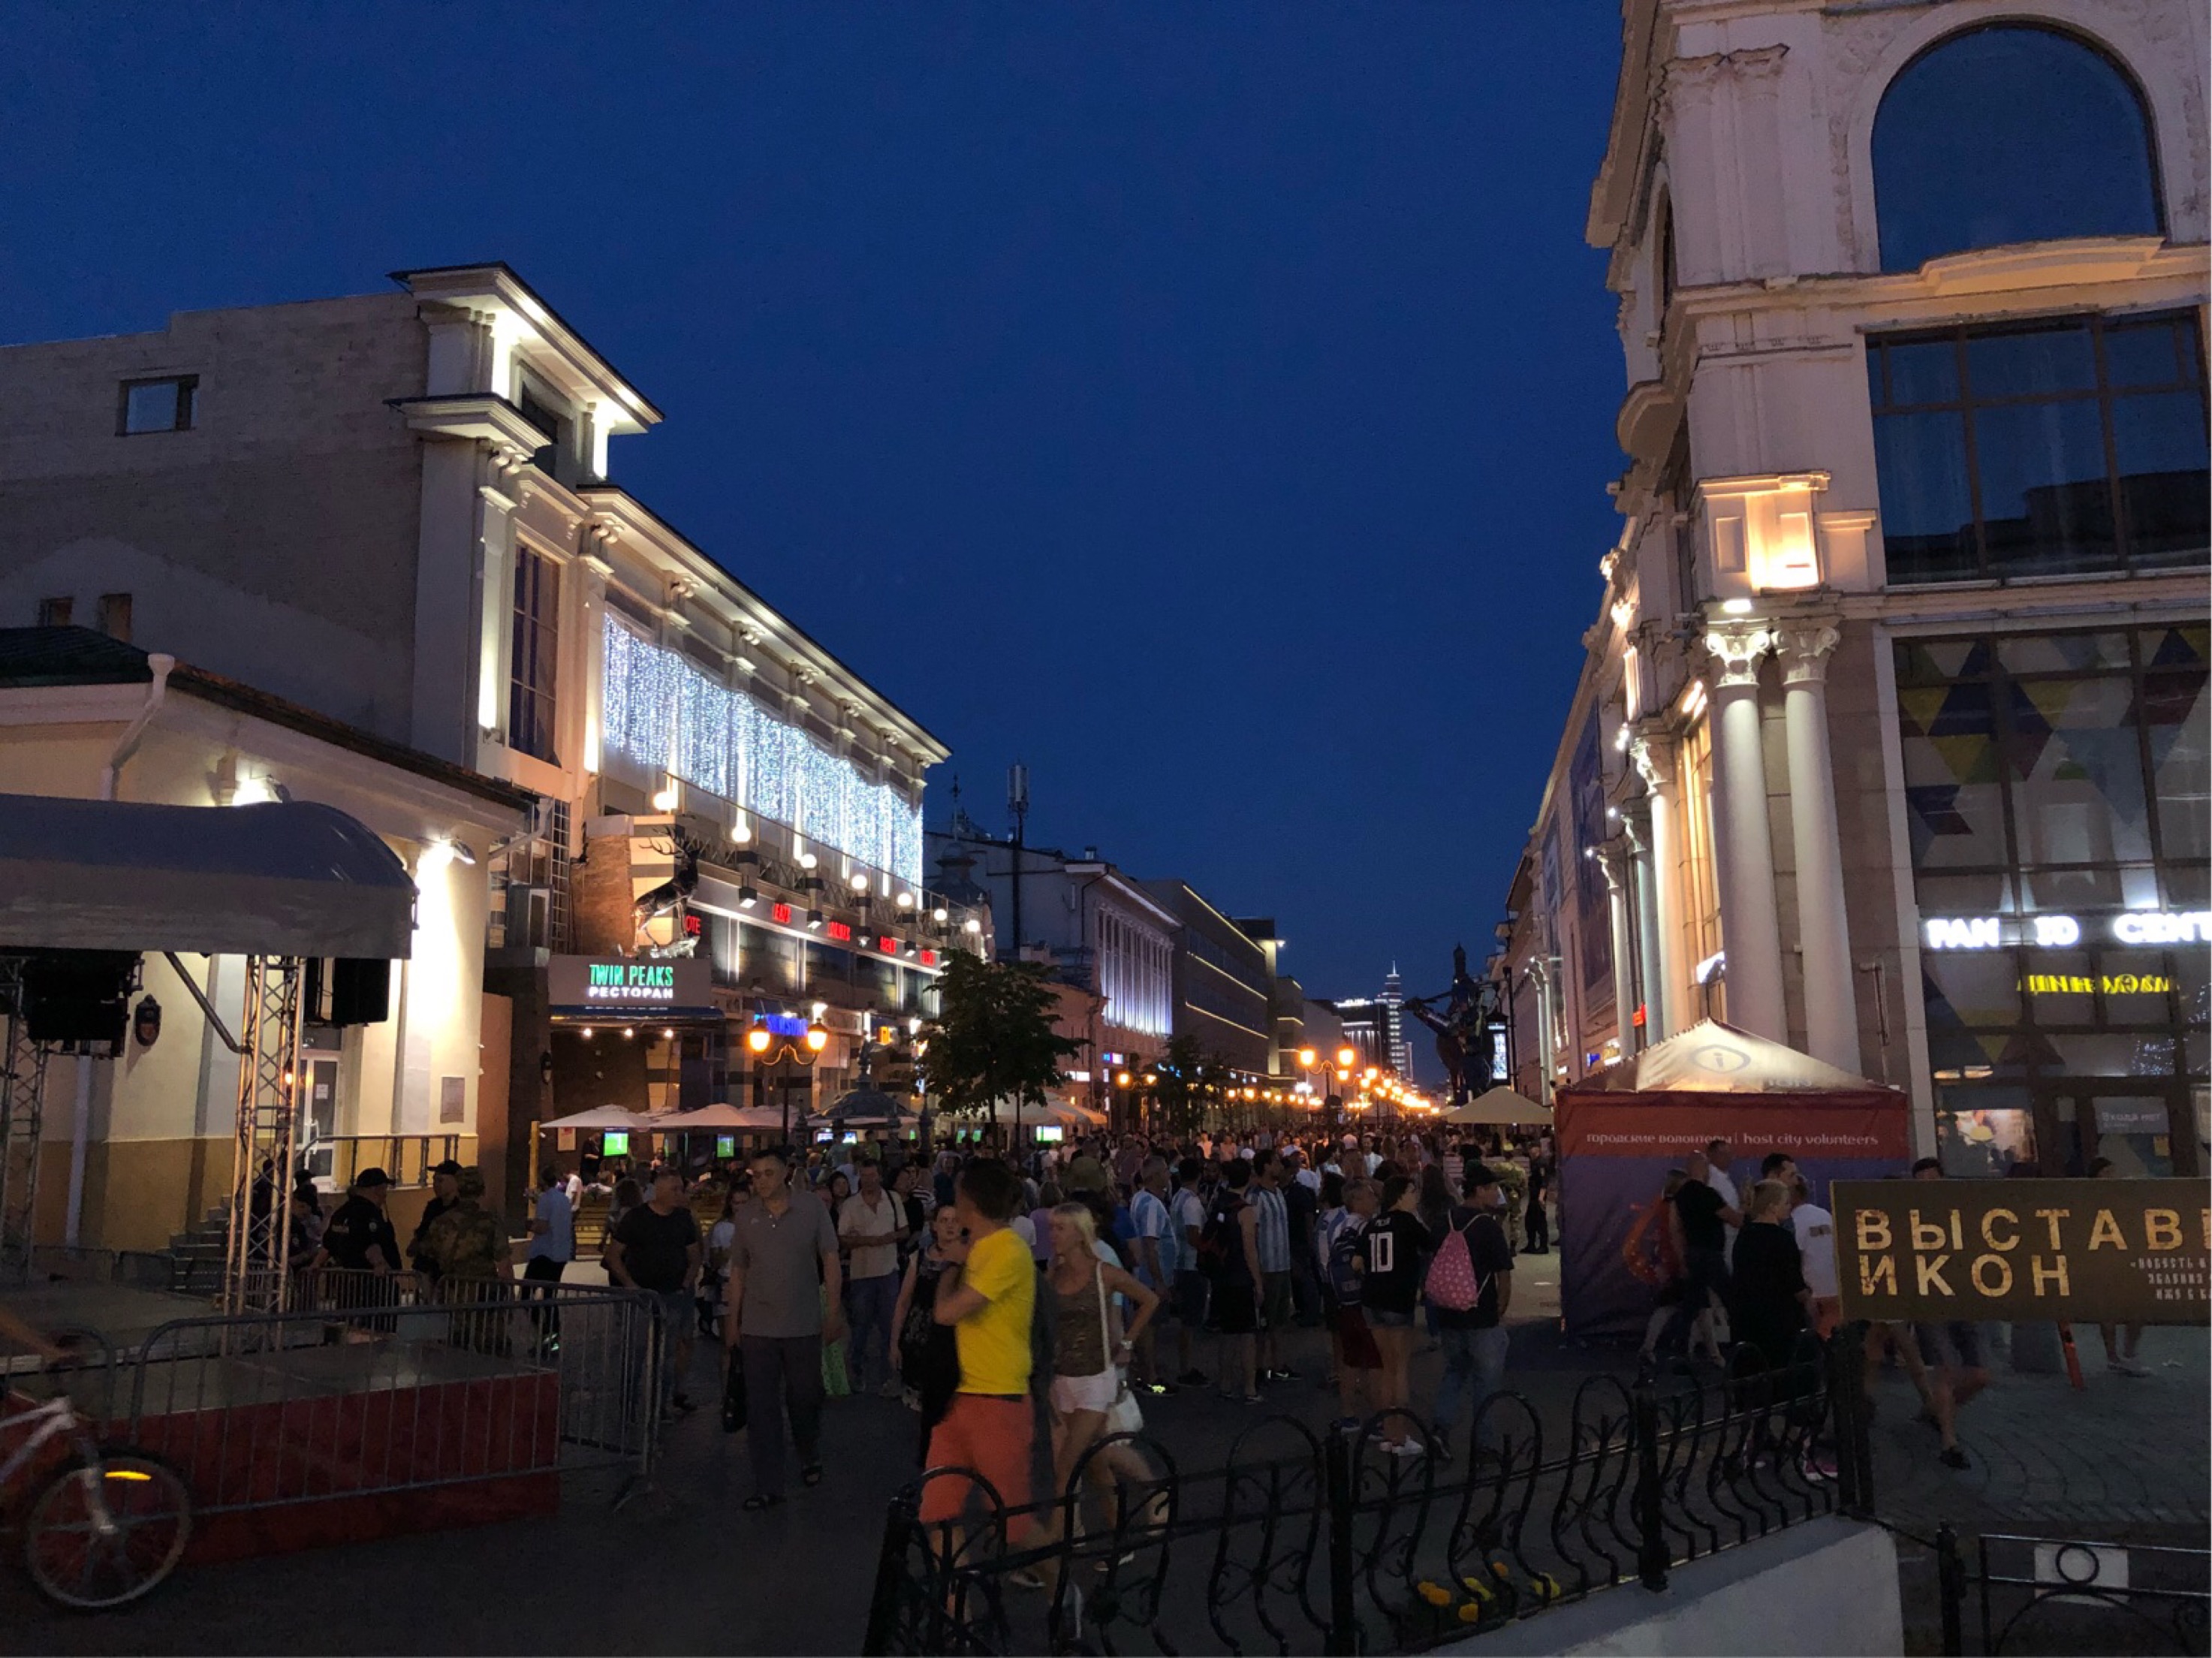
106	1529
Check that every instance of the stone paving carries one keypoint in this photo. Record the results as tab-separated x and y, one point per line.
680	1569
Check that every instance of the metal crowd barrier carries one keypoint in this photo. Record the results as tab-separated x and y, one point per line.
369	1383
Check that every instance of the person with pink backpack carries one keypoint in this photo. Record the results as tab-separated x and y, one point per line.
1468	1286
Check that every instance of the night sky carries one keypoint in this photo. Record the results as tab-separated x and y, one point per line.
1210	405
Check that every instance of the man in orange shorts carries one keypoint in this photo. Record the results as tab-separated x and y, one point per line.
988	1297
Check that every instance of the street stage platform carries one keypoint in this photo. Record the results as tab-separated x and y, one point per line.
305	1429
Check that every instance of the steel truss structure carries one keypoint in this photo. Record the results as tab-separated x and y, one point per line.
22	1093
255	1257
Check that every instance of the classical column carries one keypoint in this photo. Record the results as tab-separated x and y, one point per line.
1654	754
1831	1025
1612	858
1638	823
1539	969
1751	923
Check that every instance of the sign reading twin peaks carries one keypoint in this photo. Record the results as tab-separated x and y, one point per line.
2094	1251
616	985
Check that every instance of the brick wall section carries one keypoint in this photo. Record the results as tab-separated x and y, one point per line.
297	485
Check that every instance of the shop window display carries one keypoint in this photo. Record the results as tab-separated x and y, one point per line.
2066	966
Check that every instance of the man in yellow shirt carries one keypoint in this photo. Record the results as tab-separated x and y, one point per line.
988	1297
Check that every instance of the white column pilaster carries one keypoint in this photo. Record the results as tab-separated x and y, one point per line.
1750	921
1612	858
1636	818
1831	1025
1664	970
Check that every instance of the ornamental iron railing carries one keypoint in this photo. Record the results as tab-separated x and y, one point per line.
1334	1543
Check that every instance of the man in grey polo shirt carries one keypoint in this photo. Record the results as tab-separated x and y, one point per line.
783	1257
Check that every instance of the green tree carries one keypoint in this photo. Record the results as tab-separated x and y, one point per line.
993	1039
1177	1095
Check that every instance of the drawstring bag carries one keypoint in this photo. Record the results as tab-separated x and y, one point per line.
1451	1285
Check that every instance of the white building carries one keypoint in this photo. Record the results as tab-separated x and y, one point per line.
1892	739
397	510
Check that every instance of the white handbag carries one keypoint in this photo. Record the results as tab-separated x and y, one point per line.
1123	1416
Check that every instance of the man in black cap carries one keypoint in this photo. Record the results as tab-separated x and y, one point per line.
445	1196
360	1236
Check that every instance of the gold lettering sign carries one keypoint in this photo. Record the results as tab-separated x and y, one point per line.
2112	984
2102	1251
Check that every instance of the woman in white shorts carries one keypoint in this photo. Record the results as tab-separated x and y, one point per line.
1088	1350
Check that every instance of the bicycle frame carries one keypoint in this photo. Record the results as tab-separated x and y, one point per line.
54	1418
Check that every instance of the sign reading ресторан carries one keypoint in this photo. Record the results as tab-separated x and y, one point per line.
620	985
2094	1251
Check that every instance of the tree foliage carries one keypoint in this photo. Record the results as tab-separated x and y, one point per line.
993	1039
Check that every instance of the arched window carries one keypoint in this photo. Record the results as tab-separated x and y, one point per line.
2009	134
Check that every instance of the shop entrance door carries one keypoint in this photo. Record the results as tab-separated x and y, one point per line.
2136	1131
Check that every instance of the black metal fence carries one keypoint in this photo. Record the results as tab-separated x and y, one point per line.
2007	1593
1300	1542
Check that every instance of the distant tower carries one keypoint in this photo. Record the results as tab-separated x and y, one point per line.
1393	1025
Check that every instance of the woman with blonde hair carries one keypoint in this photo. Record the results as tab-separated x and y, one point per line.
1089	1350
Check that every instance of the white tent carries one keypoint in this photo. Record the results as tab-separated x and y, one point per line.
1712	1057
284	878
1501	1105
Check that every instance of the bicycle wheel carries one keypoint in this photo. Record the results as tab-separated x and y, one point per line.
102	1535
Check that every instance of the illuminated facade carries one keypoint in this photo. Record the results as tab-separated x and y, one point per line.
396	509
1892	739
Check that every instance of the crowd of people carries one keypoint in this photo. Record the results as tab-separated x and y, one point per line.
1062	1291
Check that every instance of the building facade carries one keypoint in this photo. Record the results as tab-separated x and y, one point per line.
1891	740
397	510
1089	925
138	1145
1223	986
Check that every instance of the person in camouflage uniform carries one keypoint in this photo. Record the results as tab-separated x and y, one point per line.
468	1244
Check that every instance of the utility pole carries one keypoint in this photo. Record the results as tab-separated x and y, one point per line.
1017	804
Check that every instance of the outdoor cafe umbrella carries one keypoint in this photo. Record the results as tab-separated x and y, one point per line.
721	1119
1500	1106
601	1118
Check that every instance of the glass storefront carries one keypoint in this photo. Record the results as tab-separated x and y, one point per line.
2056	789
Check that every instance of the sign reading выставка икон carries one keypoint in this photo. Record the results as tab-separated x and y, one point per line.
2093	1251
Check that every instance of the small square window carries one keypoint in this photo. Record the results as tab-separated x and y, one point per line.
161	406
115	615
55	612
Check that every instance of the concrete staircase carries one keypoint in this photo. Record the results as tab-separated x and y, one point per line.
198	1254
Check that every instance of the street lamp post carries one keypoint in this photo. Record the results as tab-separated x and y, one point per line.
760	1039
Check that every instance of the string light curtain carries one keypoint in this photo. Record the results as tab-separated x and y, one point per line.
661	713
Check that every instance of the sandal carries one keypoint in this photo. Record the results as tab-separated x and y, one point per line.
758	1500
811	1474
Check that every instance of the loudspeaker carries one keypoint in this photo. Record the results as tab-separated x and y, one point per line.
347	990
78	995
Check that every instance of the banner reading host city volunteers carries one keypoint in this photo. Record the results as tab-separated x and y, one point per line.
2091	1251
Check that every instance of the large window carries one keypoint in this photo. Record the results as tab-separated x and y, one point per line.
2062	445
2009	134
2059	790
536	648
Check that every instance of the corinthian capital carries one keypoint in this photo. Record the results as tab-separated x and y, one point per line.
1653	751
1735	648
1804	647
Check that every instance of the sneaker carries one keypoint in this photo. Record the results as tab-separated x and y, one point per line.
1026	1577
1407	1447
1159	1390
1952	1457
1440	1442
1345	1424
1283	1373
1191	1379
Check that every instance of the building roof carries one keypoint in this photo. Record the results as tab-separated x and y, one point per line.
36	656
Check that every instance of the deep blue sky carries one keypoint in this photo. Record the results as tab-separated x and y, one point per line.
1210	405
